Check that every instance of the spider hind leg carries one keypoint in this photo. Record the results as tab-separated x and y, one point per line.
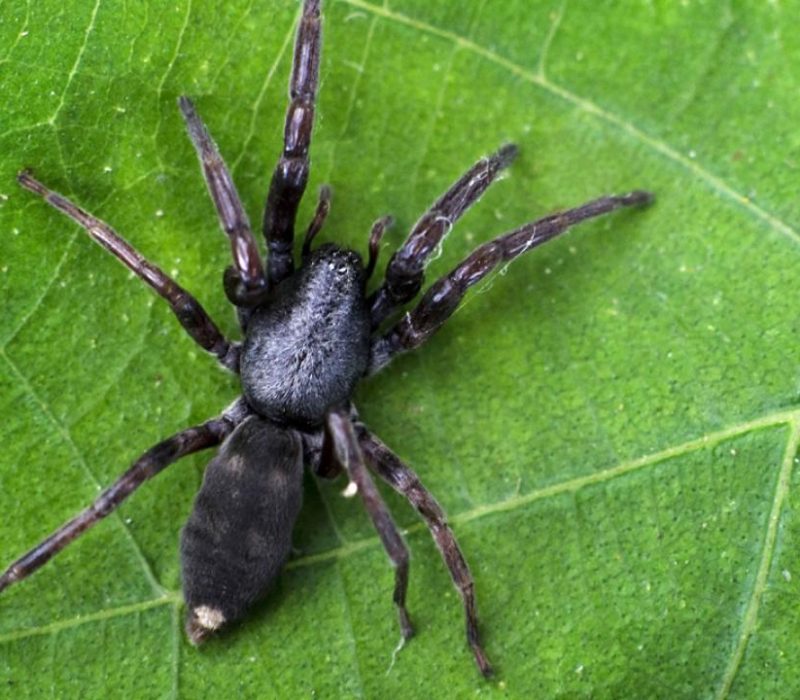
157	458
402	479
341	432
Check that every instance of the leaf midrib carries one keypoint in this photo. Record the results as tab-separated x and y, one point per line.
789	419
540	79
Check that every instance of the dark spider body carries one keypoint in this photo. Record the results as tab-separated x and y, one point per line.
308	344
240	531
309	336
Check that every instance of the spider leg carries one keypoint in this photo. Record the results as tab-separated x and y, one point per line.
191	315
232	216
406	269
444	295
345	444
402	479
158	457
291	174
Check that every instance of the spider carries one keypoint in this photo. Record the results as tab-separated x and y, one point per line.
309	336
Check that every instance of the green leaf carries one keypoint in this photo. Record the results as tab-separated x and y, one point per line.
612	422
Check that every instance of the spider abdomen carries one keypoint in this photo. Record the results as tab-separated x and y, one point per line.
308	345
240	531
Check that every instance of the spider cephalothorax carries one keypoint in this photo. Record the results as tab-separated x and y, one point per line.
307	345
309	336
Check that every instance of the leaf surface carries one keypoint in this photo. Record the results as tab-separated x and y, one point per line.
612	422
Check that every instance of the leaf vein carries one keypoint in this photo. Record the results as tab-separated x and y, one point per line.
65	435
101	615
771	420
167	71
256	108
770	539
176	649
359	70
74	70
713	181
351	637
20	35
555	23
513	503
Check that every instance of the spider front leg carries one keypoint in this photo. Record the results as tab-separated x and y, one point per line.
199	437
191	315
444	295
402	479
348	453
247	285
291	174
406	269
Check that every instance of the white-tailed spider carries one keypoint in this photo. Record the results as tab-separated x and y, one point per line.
309	336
